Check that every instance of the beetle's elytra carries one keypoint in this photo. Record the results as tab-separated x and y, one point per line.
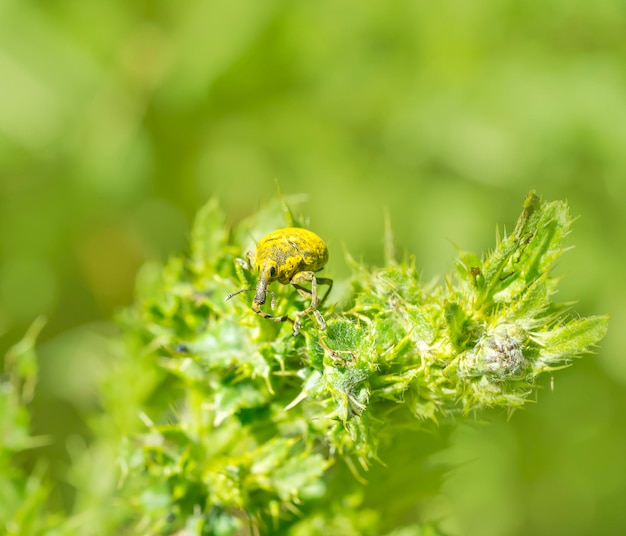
289	256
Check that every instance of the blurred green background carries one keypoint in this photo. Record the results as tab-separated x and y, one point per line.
118	120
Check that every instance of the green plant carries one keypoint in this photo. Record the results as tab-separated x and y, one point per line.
216	421
23	494
246	424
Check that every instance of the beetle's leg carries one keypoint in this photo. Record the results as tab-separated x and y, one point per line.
324	281
250	259
256	307
244	264
312	294
302	277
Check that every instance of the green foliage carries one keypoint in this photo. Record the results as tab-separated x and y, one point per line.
23	493
218	422
247	425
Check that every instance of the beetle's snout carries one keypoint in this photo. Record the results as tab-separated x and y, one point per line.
261	292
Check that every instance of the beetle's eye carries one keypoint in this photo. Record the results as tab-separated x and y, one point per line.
272	271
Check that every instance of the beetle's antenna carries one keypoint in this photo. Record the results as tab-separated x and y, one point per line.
272	304
238	292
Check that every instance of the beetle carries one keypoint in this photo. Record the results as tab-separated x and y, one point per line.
290	256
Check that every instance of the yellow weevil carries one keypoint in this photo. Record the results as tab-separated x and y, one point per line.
289	256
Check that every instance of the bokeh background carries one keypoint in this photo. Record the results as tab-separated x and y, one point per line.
118	120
